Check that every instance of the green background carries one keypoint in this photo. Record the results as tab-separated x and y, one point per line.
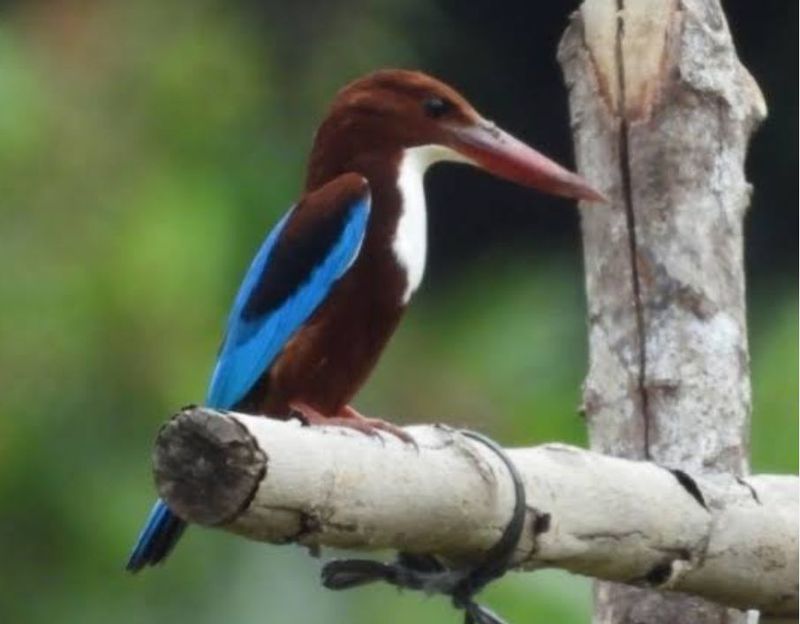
145	148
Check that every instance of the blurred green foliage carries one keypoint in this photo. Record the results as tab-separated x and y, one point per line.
145	148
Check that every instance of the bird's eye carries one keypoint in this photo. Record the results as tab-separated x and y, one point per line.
436	107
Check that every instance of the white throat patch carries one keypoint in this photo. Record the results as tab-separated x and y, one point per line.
411	237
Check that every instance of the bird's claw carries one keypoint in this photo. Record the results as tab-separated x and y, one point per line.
428	574
349	418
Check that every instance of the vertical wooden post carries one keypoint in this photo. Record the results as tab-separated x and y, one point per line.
662	111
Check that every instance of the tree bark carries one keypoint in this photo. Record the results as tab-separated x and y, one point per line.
662	111
727	539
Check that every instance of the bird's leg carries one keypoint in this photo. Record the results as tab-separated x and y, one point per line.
308	414
350	418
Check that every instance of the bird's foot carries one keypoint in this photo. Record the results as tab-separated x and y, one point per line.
427	573
352	419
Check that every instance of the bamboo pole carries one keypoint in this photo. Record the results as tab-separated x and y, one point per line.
730	540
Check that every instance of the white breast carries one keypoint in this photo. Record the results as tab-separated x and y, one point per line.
411	238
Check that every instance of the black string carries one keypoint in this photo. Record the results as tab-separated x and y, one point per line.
427	573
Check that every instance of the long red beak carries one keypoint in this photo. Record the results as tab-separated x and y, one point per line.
501	154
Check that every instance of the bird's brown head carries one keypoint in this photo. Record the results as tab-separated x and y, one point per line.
379	116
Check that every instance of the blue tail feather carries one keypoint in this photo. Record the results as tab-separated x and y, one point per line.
161	532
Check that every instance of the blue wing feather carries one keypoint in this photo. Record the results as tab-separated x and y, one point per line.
250	345
291	275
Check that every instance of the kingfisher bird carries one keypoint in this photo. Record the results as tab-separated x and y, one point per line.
330	283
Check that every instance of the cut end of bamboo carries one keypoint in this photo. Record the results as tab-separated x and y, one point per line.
207	466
